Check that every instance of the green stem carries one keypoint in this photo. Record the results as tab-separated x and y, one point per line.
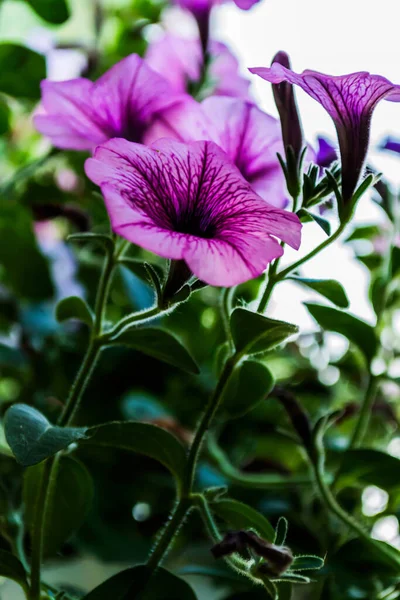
268	286
331	504
236	562
135	319
267	481
165	539
226	308
361	427
205	423
42	502
282	274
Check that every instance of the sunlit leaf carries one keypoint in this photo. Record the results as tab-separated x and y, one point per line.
357	331
331	289
253	333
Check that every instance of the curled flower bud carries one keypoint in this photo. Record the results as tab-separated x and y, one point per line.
285	101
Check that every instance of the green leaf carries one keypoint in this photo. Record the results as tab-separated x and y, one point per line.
142	438
11	568
253	333
102	239
329	288
323	223
364	232
140	268
357	331
29	279
371	467
32	438
138	583
281	532
249	384
4	116
52	11
160	344
16	59
294	578
74	307
307	562
242	516
71	496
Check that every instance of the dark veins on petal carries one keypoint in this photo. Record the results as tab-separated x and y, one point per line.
192	195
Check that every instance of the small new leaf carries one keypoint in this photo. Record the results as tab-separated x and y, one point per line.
242	516
32	438
74	307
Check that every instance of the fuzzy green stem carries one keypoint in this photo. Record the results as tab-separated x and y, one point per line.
165	539
210	412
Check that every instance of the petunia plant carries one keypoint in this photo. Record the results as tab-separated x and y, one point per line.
159	424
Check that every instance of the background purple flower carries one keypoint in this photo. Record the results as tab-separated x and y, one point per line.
187	201
350	101
80	114
391	144
326	153
180	61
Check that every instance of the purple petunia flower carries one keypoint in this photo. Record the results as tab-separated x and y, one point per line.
326	153
350	101
80	114
391	144
180	61
188	202
250	138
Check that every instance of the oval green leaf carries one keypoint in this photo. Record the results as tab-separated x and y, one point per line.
70	499
242	516
160	344
74	307
253	333
55	12
11	568
329	288
16	59
32	438
142	438
281	531
249	384
357	331
139	583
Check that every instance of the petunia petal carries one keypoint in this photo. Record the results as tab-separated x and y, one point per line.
80	114
188	201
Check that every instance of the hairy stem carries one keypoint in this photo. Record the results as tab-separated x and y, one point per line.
164	541
205	423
